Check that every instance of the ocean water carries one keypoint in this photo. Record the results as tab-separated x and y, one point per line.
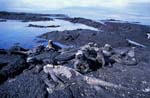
17	32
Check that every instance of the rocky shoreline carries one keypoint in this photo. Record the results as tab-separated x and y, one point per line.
64	68
28	17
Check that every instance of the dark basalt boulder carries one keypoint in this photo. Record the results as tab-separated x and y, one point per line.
11	66
2	20
3	51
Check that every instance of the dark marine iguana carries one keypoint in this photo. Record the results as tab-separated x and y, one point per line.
90	57
64	77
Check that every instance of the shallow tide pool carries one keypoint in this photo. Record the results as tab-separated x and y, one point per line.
16	32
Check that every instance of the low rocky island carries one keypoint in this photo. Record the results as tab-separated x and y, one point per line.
112	61
40	26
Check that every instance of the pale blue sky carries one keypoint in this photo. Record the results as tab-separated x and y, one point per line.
58	4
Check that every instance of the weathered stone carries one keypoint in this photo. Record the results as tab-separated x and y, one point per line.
14	65
36	50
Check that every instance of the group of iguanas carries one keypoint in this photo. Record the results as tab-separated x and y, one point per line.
88	58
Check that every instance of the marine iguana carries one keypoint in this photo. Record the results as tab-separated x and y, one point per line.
65	76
